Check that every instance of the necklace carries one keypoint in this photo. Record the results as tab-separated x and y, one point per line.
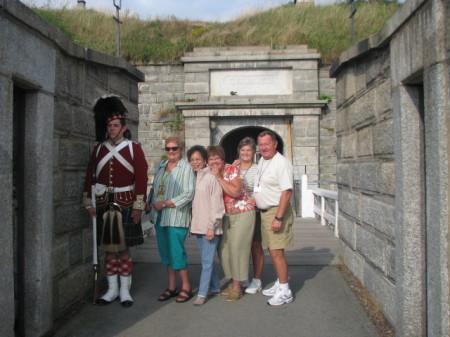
246	170
262	171
162	185
166	174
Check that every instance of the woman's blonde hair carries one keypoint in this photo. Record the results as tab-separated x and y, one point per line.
176	140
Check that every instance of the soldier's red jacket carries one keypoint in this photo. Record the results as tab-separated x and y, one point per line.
120	168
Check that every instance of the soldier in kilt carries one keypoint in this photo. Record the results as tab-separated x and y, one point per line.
118	170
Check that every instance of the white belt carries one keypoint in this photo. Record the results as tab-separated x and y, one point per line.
100	189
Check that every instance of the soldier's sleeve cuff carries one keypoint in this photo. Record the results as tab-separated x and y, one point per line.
139	203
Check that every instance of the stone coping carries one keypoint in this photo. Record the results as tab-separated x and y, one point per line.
35	22
250	49
379	39
245	57
209	108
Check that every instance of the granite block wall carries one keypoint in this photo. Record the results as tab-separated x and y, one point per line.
364	147
162	87
48	131
392	168
78	85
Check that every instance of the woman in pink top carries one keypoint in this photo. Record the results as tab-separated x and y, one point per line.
206	223
238	224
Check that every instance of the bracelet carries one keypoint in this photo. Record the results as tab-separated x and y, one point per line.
163	204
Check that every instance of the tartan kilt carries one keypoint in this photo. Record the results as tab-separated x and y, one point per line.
132	232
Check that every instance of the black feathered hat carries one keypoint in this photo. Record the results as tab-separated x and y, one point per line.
106	109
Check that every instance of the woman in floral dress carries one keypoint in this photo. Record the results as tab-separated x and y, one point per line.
238	223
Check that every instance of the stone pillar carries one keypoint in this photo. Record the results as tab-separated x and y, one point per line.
38	221
436	87
305	144
197	131
6	225
409	202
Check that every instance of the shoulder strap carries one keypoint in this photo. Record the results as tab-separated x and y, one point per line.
130	146
98	150
119	157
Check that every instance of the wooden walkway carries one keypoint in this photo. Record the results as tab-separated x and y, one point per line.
314	245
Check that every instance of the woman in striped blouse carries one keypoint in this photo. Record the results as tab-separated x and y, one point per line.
248	168
174	187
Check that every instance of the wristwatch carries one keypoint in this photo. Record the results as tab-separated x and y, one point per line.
279	218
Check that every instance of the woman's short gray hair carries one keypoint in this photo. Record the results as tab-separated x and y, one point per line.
247	141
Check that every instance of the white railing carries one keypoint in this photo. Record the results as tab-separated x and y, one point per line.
318	201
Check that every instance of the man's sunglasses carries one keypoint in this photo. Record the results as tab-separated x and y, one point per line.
171	148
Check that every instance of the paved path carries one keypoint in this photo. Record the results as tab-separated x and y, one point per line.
324	305
314	245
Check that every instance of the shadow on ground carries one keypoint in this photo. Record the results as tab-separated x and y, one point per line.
324	306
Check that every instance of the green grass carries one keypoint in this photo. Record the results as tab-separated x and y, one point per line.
325	28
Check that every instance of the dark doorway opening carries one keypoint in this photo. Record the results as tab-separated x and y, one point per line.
19	111
231	140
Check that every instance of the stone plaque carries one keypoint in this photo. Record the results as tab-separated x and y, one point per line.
251	82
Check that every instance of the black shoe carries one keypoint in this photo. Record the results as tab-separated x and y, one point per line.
126	304
102	302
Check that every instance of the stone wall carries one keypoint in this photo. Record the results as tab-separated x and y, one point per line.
392	129
327	132
48	86
158	117
365	173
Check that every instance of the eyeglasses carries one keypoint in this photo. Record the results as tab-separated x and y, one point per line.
174	148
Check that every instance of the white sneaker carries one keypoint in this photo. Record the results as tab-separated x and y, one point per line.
254	287
272	290
200	300
281	297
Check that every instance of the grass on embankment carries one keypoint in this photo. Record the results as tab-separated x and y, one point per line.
325	28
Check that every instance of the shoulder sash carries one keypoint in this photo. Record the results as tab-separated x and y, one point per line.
114	151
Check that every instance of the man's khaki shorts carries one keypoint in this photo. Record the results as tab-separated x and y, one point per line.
276	240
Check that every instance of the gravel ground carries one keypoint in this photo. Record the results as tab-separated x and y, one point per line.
373	310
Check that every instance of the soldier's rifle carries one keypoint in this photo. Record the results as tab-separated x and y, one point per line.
94	247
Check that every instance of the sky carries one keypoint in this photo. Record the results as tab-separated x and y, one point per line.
203	10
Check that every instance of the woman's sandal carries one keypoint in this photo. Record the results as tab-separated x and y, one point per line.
184	296
168	294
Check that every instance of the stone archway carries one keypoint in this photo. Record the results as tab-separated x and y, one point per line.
230	93
231	140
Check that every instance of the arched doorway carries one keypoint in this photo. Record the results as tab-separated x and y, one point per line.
231	140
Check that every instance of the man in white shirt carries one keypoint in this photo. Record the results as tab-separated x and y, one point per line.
273	187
